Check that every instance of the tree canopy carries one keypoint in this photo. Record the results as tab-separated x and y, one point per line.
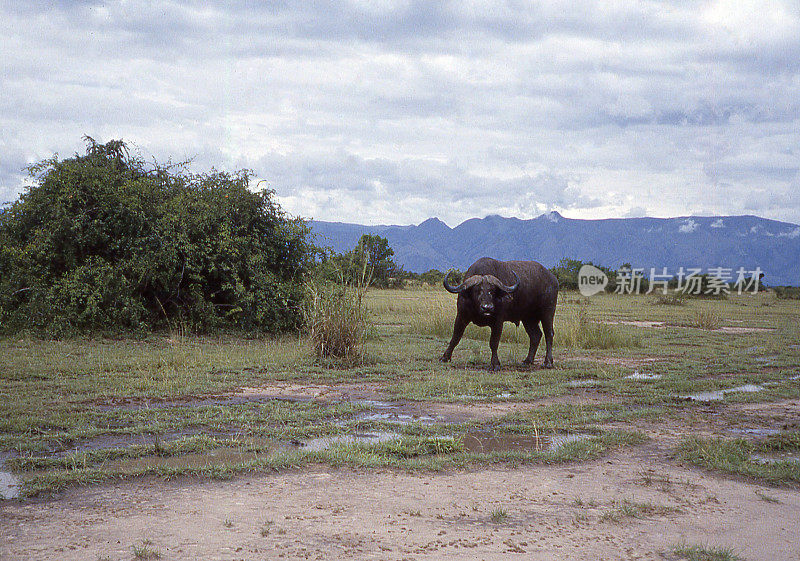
105	241
369	262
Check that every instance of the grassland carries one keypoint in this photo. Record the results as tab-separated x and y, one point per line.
88	410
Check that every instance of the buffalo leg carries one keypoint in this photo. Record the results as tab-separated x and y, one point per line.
547	326
494	342
535	335
458	331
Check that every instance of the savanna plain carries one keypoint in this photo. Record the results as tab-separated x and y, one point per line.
668	429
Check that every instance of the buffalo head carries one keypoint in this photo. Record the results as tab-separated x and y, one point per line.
486	292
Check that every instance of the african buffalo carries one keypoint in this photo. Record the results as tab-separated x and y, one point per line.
497	291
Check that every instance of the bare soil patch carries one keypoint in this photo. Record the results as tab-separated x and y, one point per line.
562	512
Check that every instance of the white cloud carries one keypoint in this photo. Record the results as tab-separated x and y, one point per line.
395	111
718	223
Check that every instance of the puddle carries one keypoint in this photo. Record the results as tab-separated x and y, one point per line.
275	391
9	485
131	404
746	329
763	459
757	432
719	395
376	404
484	442
401	418
583	383
325	442
636	323
643	376
400	413
224	456
125	440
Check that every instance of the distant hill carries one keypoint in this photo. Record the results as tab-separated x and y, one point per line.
690	241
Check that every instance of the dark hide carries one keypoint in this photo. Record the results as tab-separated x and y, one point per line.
488	297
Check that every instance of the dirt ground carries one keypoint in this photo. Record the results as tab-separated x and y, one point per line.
563	512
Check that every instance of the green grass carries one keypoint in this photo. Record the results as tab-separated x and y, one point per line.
573	328
83	411
703	553
498	516
145	550
708	318
736	456
424	453
633	509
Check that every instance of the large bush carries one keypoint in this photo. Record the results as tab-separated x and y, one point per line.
106	242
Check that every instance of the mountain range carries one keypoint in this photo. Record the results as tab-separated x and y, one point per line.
690	241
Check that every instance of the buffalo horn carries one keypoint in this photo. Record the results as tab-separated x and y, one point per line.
505	288
471	281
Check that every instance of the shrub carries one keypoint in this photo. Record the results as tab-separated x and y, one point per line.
104	242
337	317
372	255
337	321
706	318
787	292
671	299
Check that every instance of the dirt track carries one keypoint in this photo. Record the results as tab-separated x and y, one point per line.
324	513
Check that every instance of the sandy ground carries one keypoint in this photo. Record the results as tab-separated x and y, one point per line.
325	513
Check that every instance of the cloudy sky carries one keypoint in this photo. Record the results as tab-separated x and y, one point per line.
382	111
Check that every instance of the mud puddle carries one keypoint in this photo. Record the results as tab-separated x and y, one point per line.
223	456
719	395
275	391
135	404
105	442
793	458
637	323
643	376
401	418
9	483
583	383
489	441
758	432
325	442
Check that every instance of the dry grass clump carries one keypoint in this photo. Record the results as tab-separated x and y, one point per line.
707	318
337	320
583	332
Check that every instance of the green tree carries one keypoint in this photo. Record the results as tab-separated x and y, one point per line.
107	242
374	254
370	262
432	277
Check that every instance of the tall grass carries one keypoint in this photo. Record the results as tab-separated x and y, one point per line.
673	299
583	332
337	319
707	318
577	330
